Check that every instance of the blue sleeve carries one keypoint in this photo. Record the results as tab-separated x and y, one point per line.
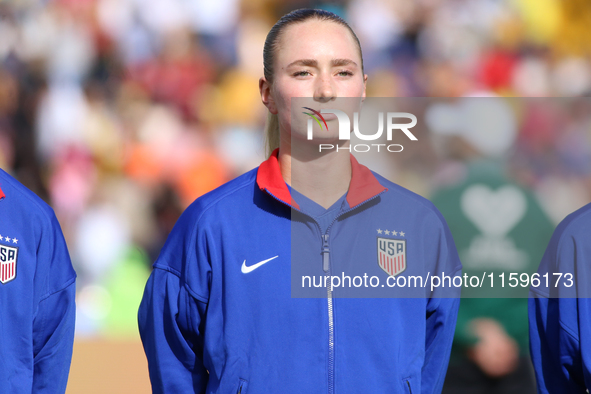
557	318
54	319
171	316
169	319
441	314
555	349
53	332
441	325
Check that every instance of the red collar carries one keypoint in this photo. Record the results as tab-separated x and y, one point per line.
363	186
1	194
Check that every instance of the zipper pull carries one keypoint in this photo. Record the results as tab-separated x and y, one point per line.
325	252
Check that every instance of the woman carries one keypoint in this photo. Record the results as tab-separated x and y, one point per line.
560	309
37	294
217	315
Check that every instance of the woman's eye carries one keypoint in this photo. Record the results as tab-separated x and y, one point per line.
345	73
301	74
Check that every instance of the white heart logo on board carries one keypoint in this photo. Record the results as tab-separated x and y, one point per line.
494	212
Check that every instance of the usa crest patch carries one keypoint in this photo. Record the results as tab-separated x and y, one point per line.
392	255
8	256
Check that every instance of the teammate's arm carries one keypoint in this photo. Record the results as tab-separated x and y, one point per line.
54	320
554	340
557	319
53	331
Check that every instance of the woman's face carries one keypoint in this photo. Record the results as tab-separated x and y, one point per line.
318	60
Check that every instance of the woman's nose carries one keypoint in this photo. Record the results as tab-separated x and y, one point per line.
325	90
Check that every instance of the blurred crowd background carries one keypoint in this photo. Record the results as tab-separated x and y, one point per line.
119	113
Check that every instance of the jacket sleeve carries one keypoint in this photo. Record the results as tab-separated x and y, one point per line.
555	349
441	323
54	320
441	315
53	341
169	319
555	320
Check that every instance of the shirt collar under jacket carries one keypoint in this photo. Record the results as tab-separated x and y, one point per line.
363	186
1	194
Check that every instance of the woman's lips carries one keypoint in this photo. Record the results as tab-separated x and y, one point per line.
328	116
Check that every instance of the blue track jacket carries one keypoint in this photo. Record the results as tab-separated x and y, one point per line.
560	318
37	292
218	315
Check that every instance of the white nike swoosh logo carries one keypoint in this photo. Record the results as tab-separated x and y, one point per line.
246	269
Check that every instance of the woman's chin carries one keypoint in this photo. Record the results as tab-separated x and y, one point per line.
318	139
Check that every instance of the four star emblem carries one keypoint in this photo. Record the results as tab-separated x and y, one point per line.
393	232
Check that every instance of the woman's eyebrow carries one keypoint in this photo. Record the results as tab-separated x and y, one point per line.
342	62
314	63
304	62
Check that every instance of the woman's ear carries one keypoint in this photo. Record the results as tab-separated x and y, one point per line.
267	95
364	87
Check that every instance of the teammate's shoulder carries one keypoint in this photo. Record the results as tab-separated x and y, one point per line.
578	223
569	239
20	198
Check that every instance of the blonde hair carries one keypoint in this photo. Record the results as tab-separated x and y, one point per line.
271	133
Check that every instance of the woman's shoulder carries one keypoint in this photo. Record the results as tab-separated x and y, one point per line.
412	203
403	195
237	194
235	191
211	210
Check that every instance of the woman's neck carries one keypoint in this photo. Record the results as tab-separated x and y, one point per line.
323	178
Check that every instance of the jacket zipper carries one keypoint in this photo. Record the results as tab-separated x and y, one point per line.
241	386
330	337
326	268
325	251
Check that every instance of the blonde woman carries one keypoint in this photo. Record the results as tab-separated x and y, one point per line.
217	315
